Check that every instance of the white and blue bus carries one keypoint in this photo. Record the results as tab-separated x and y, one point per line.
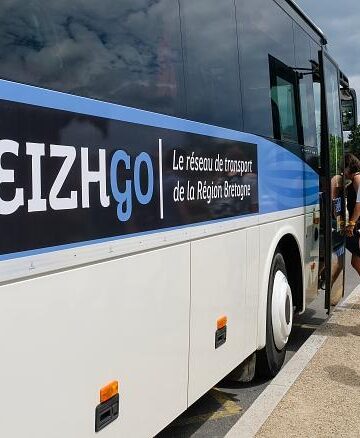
171	192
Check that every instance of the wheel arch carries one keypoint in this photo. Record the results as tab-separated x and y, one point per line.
287	241
290	250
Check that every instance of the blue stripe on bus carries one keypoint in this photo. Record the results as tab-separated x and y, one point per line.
274	161
28	94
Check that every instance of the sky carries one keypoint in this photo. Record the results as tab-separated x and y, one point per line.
340	22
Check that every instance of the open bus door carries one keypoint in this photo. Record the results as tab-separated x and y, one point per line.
333	184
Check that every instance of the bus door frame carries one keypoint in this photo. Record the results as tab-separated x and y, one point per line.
327	200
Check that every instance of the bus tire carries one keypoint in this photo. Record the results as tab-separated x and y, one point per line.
279	317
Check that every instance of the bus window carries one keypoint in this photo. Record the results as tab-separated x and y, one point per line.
332	92
316	91
211	62
317	99
283	99
304	69
264	29
127	52
284	114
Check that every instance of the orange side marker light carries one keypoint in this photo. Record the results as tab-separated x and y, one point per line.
109	391
221	322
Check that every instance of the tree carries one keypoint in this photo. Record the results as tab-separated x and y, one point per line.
353	144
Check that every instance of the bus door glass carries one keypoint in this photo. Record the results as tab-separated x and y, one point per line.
332	164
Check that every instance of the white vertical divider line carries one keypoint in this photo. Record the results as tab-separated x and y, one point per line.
161	180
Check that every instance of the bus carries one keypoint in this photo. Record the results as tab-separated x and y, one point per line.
171	193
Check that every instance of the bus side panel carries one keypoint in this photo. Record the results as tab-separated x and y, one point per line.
219	283
64	336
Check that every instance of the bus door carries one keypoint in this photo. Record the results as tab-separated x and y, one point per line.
333	185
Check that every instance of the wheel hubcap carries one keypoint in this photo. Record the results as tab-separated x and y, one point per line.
282	310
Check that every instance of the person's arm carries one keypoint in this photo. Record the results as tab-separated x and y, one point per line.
356	213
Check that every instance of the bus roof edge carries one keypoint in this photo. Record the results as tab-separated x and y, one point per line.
308	20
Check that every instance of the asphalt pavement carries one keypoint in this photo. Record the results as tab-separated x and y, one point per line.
218	410
317	393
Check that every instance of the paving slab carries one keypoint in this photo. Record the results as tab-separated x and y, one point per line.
317	394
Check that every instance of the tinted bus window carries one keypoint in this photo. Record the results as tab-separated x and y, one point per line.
284	101
211	62
283	97
305	76
315	49
264	30
333	101
126	51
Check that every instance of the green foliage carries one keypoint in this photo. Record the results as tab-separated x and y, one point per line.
335	155
353	145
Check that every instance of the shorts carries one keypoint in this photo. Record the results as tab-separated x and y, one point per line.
352	244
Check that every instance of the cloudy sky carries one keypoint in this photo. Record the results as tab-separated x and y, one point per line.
340	21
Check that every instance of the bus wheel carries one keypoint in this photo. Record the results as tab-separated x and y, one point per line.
279	318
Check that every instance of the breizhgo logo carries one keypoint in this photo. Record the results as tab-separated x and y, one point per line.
69	178
37	203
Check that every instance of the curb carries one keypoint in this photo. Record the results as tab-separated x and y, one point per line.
251	422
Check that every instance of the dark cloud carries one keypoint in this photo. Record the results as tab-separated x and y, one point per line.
339	20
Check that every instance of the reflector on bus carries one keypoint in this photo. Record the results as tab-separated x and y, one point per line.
109	391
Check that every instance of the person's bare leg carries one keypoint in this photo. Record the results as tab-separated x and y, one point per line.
355	263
